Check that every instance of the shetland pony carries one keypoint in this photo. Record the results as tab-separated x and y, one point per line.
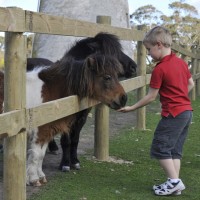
95	77
105	44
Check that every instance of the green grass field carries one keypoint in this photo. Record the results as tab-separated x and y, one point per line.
129	181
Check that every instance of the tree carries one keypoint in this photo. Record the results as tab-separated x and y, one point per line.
183	23
183	8
148	15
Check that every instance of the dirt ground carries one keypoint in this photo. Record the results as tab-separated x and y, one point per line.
118	121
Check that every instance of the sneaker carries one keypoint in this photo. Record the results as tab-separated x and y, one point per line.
169	188
161	186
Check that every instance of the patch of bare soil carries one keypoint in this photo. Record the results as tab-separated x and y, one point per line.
51	162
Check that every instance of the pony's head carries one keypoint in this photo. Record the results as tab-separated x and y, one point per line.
109	44
102	79
95	77
106	44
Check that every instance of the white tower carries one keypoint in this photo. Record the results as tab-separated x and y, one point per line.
53	47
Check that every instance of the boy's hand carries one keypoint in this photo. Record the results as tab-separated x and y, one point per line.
125	109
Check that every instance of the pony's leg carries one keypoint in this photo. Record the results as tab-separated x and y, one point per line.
34	154
65	161
75	163
69	143
41	174
53	147
74	135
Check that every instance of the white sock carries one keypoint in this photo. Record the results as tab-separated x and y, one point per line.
174	180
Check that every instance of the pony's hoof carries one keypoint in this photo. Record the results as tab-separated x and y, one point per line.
43	180
76	166
36	183
65	168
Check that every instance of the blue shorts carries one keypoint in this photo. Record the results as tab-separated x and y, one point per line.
170	136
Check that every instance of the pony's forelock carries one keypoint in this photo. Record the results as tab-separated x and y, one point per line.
110	44
107	65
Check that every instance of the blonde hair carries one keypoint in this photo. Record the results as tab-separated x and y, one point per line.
158	34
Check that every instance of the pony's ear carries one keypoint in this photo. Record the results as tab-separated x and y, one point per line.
90	62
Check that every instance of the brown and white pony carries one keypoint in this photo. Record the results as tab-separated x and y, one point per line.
95	77
102	43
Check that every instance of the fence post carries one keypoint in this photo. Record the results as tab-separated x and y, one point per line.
101	138
184	57
14	170
194	71
141	92
198	71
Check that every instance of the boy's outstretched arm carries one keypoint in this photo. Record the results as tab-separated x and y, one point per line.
151	96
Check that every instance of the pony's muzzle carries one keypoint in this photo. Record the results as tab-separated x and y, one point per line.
123	100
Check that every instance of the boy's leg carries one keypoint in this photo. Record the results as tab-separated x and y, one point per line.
169	168
177	165
173	185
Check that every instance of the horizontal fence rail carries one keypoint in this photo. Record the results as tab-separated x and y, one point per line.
18	20
53	110
13	21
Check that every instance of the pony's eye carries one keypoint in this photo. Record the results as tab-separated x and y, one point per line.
107	77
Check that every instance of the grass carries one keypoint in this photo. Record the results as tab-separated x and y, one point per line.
113	181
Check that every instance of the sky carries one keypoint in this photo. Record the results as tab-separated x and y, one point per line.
133	4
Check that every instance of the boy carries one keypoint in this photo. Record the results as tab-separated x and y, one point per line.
172	80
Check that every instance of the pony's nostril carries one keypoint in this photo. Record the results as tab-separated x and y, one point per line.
123	100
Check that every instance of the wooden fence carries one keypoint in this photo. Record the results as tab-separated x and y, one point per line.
17	118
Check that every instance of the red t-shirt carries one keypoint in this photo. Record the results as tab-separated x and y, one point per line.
171	77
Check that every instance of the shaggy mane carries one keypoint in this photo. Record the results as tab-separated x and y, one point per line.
79	75
104	43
